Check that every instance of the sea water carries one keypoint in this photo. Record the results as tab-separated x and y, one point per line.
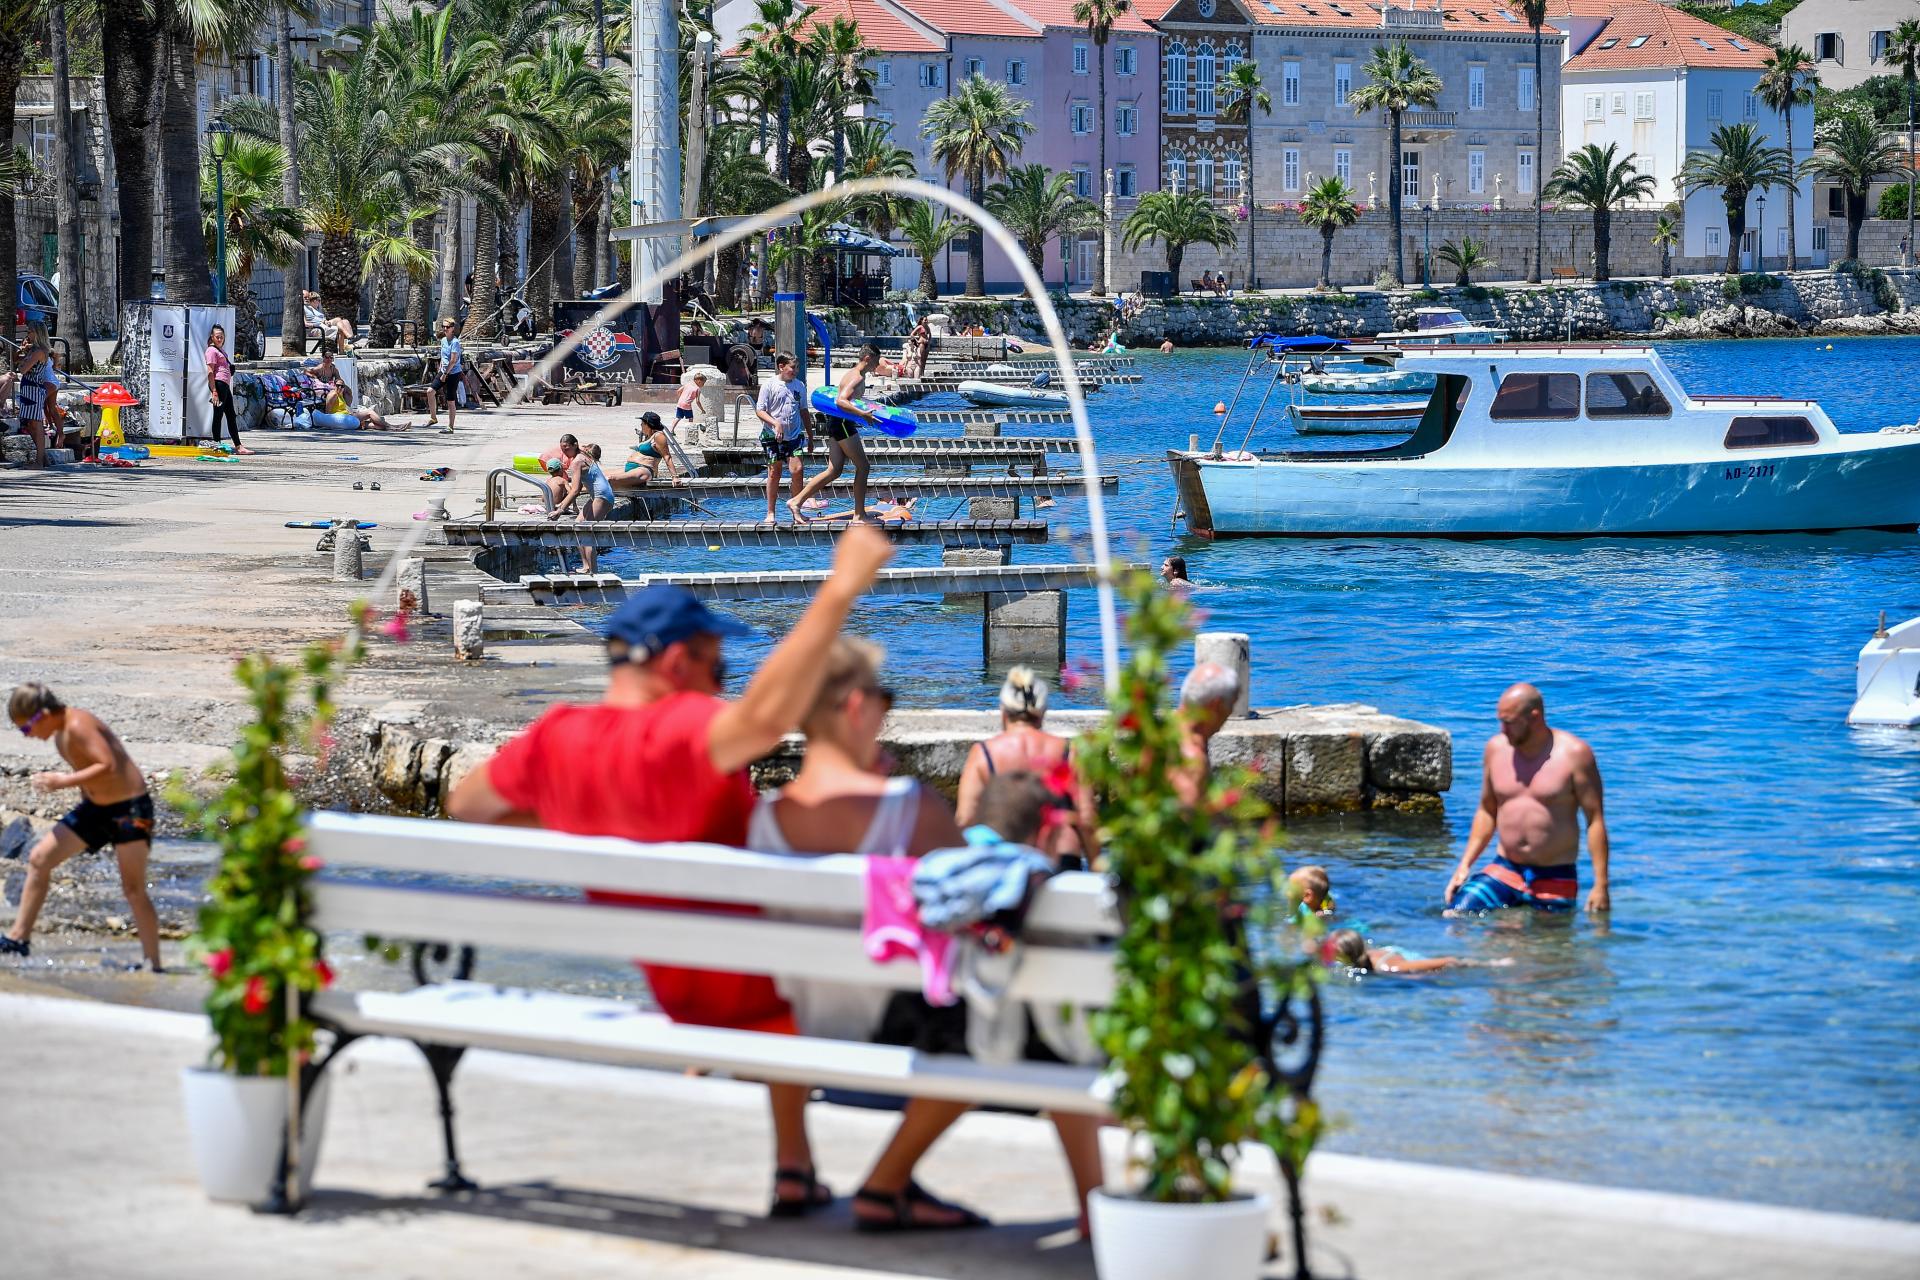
1746	1022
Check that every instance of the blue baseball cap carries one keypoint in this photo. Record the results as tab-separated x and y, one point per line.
660	615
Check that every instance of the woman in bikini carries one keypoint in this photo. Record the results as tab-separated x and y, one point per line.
1020	744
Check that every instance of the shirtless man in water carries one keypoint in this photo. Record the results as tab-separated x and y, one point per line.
1536	777
114	809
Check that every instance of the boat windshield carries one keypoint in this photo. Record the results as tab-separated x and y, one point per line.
1440	318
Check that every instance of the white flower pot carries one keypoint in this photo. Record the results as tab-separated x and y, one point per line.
237	1125
1137	1239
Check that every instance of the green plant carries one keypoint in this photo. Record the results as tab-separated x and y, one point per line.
1396	81
976	134
254	937
1893	204
1189	1080
1600	179
1852	153
1759	22
1473	293
1730	289
1177	219
1327	208
1738	161
1098	17
1424	294
1037	204
1464	258
928	230
1666	234
1788	81
1629	288
1241	94
1383	280
1683	286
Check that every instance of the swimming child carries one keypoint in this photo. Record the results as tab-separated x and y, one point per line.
1348	948
1312	889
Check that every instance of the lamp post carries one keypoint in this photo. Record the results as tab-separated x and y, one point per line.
1760	237
1426	258
219	140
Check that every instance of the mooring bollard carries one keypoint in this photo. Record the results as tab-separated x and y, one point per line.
410	580
346	551
1234	651
469	630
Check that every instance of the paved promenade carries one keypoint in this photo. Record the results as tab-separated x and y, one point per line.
597	1172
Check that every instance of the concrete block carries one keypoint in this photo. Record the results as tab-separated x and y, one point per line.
346	552
16	449
983	430
59	457
469	630
1025	627
972	558
1414	758
1326	769
993	508
1234	651
410	578
430	771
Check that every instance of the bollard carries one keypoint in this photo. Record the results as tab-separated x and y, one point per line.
1028	626
469	630
410	578
1234	651
346	551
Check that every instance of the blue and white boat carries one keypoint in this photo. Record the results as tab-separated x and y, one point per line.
1439	327
996	395
1566	441
1364	380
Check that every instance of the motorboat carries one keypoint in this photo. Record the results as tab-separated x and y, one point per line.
1566	441
1365	381
1442	326
1886	680
1356	420
1000	395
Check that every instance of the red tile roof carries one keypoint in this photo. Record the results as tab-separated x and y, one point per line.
972	18
1642	34
1059	13
1359	15
880	26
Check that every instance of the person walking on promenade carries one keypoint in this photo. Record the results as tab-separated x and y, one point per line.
220	388
453	371
664	758
35	389
843	438
114	809
786	428
1207	696
1535	781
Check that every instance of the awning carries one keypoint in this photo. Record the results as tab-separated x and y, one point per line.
850	239
1307	345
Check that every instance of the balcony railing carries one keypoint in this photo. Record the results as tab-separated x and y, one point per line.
1431	119
1411	19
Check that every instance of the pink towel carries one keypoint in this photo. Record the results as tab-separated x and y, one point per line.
891	929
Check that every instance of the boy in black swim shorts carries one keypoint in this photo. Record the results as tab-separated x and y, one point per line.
114	809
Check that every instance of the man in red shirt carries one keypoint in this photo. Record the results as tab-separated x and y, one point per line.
663	759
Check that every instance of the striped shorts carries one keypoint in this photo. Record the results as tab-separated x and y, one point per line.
1510	884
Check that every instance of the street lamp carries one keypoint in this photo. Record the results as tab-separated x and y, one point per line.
1760	240
1426	259
219	141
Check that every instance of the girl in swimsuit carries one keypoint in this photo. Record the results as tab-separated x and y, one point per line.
1347	948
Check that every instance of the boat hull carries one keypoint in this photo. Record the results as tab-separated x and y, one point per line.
1385	383
1327	420
1877	488
989	393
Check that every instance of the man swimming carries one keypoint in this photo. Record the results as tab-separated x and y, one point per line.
1534	779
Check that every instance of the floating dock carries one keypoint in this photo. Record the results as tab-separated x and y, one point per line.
1062	485
987	417
791	584
727	533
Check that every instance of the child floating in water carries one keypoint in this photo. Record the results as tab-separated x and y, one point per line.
1348	947
1312	889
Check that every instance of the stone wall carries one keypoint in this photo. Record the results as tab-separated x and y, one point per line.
33	219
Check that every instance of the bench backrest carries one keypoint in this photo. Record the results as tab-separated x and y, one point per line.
522	889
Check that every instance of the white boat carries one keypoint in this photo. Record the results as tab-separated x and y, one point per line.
1886	681
1357	383
1441	326
1567	441
1356	420
994	393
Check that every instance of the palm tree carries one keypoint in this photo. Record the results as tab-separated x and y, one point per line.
1788	81
1099	17
131	36
1602	180
1738	162
776	35
293	320
17	18
1242	93
1038	204
1328	207
736	176
1853	155
872	153
1465	257
259	228
804	247
389	245
66	193
1666	234
1177	220
1396	81
928	230
1534	14
843	55
1903	49
976	134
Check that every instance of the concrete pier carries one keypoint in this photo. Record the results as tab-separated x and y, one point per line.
1060	485
799	584
1007	417
726	533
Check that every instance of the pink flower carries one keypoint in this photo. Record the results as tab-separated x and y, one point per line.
295	844
311	863
220	963
1071	680
255	1001
396	629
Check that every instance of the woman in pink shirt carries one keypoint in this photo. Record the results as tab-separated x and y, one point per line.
220	387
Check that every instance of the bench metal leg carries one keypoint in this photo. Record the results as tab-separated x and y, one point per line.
443	1059
283	1198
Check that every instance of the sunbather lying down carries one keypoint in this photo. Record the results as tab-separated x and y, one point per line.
894	513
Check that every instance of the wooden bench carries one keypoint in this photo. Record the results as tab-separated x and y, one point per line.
1566	273
815	935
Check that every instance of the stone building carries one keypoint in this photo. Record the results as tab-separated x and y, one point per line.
34	224
1475	147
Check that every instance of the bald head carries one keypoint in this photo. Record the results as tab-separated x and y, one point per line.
1208	694
1522	713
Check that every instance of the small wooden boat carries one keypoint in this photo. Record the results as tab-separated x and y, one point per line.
1356	420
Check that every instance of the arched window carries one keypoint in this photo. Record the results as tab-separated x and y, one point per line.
1230	178
1203	80
1203	174
1176	174
1229	59
1177	78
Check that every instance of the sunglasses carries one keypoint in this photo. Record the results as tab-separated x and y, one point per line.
26	729
881	694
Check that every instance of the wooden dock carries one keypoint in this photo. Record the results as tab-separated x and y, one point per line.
971	417
917	487
559	534
790	584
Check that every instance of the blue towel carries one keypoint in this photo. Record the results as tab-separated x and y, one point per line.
983	880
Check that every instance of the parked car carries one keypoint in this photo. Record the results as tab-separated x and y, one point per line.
36	301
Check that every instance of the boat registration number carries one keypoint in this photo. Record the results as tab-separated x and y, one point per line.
1752	471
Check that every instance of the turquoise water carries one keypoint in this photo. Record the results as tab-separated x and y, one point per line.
1747	1022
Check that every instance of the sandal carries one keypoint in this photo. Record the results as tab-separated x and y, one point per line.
900	1207
815	1194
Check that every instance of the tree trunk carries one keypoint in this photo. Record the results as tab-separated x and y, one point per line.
586	260
449	302
1602	244
726	293
130	41
544	244
562	272
1736	228
510	282
293	320
188	278
484	298
1393	199
339	275
929	283
1326	257
1793	240
381	331
1037	255
1100	242
419	286
248	340
1906	258
1539	161
13	53
1174	253
66	195
1666	261
976	240
1253	211
1856	214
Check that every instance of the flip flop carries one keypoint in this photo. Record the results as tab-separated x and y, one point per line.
815	1194
900	1206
